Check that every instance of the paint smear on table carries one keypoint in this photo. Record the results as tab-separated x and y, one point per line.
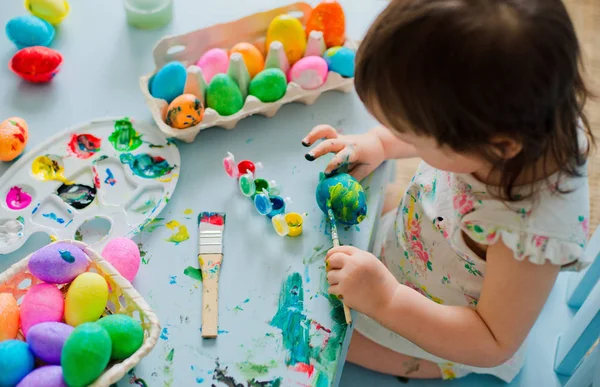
143	253
252	370
181	235
125	138
193	272
239	308
152	225
17	198
45	168
147	166
220	374
83	146
164	334
168	368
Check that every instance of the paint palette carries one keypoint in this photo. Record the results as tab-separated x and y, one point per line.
112	175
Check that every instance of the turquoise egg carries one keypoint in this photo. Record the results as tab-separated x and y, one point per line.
347	197
340	60
168	83
29	31
16	361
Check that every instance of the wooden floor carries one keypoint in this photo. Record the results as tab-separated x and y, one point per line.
586	16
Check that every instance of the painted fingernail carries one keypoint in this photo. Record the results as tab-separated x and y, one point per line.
309	157
340	297
305	143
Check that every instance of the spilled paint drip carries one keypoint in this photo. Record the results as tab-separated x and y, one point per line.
220	375
110	178
152	225
143	254
54	217
239	307
84	146
66	256
216	218
164	334
45	168
168	368
252	370
193	272
147	166
35	209
17	198
125	138
78	196
181	235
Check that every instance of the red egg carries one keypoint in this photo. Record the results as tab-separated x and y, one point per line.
36	64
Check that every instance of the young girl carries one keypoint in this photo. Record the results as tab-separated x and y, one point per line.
488	93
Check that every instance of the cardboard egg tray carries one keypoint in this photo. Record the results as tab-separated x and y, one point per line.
188	48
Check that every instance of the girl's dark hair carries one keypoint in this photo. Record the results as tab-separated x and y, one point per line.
466	71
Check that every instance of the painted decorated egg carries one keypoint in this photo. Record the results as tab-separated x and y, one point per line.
16	361
53	11
253	58
124	255
347	198
126	335
58	263
36	64
14	135
28	31
340	60
289	31
9	317
212	62
47	376
269	85
46	340
224	95
309	73
85	355
328	17
185	111
42	302
168	82
86	299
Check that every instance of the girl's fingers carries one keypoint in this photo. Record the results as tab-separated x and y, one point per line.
342	161
360	171
327	146
335	261
348	250
319	132
333	277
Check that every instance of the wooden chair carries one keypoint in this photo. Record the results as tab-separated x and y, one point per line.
562	348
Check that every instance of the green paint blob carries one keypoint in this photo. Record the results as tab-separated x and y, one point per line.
66	256
193	272
146	166
269	85
224	95
125	138
253	371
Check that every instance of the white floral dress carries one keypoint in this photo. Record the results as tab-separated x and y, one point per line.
422	245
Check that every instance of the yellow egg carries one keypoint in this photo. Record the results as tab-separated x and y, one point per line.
53	11
185	111
289	31
86	299
13	138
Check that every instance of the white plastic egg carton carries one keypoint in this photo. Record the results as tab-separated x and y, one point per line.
188	48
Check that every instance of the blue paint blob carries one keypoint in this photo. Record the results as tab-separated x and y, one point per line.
54	217
66	256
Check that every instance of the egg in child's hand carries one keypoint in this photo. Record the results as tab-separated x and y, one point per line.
46	340
85	355
13	138
47	376
168	83
289	31
42	302
53	11
185	111
212	62
269	85
309	73
16	361
328	17
253	58
224	95
126	334
9	317
28	31
340	60
58	263
86	299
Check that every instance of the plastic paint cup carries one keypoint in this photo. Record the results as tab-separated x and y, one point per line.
294	222
261	185
247	184
246	166
148	14
262	203
277	206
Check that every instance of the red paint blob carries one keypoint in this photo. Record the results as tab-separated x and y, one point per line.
213	218
36	64
84	146
246	166
305	368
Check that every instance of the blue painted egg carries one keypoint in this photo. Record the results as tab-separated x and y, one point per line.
58	263
168	83
340	60
16	361
348	200
29	31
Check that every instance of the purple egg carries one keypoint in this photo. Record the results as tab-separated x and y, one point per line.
46	340
58	263
48	376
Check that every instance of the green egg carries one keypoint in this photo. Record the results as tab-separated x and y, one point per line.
85	355
224	95
269	85
125	333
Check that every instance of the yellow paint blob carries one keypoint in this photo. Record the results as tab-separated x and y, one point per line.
44	168
172	225
188	211
180	236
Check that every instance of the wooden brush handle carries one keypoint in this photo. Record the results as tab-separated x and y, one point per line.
210	265
336	243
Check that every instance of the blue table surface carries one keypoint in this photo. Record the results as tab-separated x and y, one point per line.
104	58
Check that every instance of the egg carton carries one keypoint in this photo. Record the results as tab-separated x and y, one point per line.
188	48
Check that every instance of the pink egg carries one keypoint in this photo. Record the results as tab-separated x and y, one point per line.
43	302
124	255
214	61
309	73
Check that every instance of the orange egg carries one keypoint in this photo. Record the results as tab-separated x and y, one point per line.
253	58
9	317
13	138
185	111
328	17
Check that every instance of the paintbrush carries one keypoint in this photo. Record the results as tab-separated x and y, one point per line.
210	256
336	243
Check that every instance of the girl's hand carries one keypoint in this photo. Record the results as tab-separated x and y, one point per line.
362	280
358	155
